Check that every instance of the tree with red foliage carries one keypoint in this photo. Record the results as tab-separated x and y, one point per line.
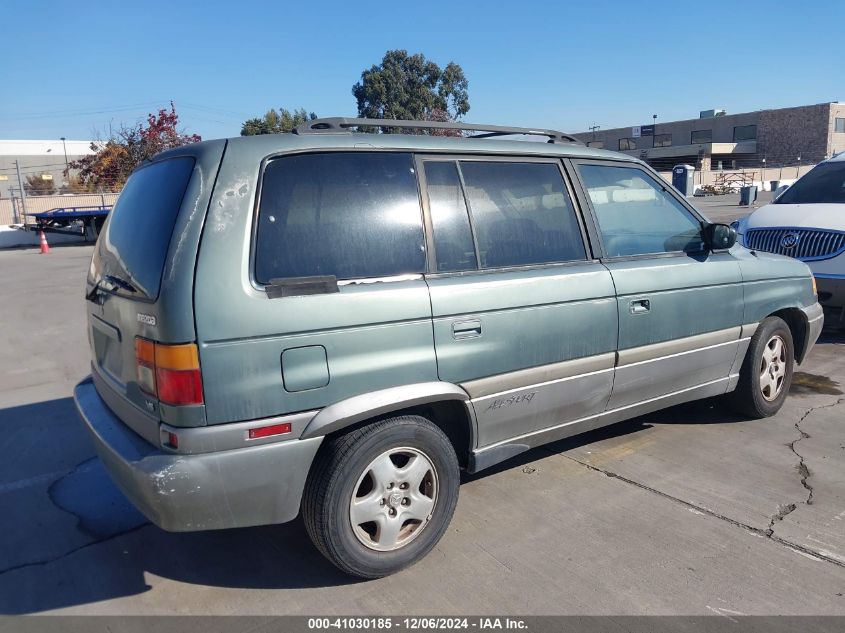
128	147
442	116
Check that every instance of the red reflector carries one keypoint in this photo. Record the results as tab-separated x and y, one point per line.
267	431
178	387
173	439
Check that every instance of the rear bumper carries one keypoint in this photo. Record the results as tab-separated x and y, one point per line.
257	485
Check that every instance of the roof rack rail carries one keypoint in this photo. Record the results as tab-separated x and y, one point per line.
334	125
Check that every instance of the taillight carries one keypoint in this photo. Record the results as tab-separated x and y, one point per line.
170	372
145	365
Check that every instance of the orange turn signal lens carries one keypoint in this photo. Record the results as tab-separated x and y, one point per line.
177	356
145	370
144	350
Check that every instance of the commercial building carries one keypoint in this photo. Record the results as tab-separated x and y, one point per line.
803	135
42	159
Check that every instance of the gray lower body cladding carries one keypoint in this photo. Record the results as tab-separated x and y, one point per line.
258	485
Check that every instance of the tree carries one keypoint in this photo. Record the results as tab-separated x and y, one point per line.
113	160
35	185
74	184
276	122
441	116
411	87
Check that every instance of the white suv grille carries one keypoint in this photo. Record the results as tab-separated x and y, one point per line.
799	243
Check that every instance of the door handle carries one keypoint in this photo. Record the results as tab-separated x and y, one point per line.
466	329
640	306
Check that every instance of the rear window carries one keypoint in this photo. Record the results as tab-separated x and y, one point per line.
824	183
135	239
351	215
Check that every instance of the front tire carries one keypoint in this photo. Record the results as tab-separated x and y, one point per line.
380	497
766	374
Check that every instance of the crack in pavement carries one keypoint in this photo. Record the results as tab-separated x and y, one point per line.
768	534
47	561
84	467
803	469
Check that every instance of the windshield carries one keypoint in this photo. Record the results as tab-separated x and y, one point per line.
825	183
132	249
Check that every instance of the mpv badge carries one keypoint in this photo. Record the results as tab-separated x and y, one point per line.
790	240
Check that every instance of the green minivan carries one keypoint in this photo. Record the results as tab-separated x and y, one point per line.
337	322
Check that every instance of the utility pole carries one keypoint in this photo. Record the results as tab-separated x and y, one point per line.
23	192
593	129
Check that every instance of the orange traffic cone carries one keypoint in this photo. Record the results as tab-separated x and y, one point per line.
45	247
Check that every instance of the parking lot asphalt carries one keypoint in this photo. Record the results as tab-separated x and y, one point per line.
726	208
692	510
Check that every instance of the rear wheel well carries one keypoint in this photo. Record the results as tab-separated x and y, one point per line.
450	416
797	323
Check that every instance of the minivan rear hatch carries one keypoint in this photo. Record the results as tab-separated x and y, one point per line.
140	280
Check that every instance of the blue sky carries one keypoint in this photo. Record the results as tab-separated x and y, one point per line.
73	68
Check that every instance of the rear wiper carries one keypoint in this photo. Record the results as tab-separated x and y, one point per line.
112	279
120	283
92	294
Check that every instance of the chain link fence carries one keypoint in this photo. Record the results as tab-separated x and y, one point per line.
16	210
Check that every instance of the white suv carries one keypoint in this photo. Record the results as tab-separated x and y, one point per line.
807	221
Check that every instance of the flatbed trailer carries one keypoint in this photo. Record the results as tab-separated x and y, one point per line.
86	220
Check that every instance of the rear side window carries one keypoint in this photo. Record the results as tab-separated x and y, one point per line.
350	215
134	243
521	214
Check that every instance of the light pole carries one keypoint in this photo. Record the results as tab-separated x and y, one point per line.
64	147
763	174
654	130
798	170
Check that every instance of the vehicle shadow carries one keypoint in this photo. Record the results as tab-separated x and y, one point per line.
699	412
833	335
88	544
71	538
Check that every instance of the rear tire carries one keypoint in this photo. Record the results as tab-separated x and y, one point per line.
766	374
380	497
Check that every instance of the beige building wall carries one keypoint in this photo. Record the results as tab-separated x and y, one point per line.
836	139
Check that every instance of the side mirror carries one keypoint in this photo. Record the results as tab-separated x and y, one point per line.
719	236
779	191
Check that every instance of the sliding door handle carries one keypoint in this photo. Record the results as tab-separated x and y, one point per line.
640	306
